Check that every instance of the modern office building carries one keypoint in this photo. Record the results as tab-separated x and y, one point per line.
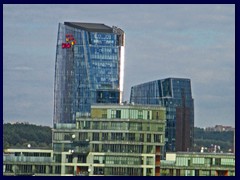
88	68
198	164
115	140
174	94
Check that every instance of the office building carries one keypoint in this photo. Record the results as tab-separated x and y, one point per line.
88	68
174	94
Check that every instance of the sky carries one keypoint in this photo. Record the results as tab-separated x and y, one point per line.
162	40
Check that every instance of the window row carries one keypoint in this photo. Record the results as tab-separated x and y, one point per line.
132	126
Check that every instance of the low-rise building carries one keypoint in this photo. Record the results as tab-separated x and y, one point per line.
198	164
220	128
28	162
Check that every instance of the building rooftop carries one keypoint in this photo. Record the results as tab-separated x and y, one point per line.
92	27
174	78
201	154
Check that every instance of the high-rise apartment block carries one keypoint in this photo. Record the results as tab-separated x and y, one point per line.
174	94
88	69
115	140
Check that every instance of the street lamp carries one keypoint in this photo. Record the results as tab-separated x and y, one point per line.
71	151
89	170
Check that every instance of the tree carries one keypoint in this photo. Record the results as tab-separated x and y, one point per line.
20	134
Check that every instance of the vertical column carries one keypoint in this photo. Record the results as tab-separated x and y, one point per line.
144	165
33	169
63	164
47	169
53	169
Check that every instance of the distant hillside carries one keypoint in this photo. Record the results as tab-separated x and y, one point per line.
19	135
22	134
210	138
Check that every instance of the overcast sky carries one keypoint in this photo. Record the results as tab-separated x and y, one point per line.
185	41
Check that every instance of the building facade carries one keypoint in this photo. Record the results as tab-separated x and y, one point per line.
174	94
198	164
88	68
115	140
29	162
38	162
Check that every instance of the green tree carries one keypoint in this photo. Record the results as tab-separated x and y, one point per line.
21	134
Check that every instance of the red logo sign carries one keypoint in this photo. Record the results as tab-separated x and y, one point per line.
70	41
66	45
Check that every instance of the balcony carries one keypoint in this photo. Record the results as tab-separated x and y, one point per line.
81	150
12	158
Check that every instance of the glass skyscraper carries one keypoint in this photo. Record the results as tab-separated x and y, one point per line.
174	94
88	69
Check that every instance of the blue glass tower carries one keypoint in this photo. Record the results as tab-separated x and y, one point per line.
88	68
174	94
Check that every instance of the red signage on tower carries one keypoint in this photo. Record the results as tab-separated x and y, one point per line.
70	41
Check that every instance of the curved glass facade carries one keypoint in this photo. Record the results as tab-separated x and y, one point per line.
88	69
174	94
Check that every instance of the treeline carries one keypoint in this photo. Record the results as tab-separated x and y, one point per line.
209	139
19	135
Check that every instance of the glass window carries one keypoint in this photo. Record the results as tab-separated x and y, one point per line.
140	114
96	125
218	161
118	114
149	161
105	125
104	136
148	137
157	115
197	172
141	138
95	137
149	149
157	138
177	172
113	114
